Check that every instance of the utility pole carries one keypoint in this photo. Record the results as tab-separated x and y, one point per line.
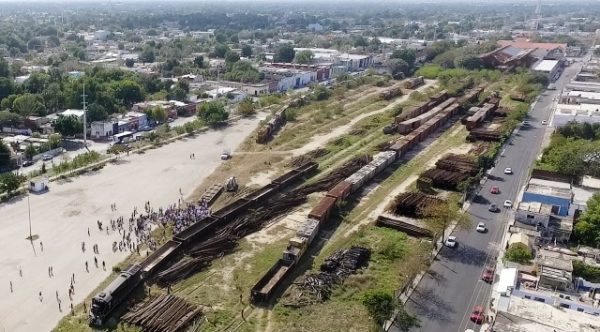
84	103
29	211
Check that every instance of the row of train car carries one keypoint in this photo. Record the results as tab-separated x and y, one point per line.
414	82
390	93
279	119
265	287
104	303
434	101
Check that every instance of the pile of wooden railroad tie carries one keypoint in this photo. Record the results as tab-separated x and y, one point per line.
164	313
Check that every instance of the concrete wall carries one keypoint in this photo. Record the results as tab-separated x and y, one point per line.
563	203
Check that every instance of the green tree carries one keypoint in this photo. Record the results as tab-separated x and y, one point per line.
159	115
440	216
199	61
518	253
54	98
398	67
7	87
321	92
407	55
147	54
246	51
4	68
9	119
243	71
7	103
36	82
304	57
68	125
468	61
221	50
128	92
4	155
29	104
10	182
405	321
212	112
380	305
587	228
96	112
246	108
30	151
284	53
129	62
231	57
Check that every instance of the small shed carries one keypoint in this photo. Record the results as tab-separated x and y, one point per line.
38	185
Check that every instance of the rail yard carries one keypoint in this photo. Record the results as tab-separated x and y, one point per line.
340	208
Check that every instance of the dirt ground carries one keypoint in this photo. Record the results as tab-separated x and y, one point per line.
61	218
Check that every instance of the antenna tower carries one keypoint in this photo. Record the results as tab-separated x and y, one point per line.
538	15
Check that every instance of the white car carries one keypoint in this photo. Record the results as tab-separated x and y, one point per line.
451	242
508	203
544	122
508	170
481	228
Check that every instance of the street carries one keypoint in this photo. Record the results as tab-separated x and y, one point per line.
446	295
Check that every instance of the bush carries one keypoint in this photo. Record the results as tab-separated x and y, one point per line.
518	253
380	305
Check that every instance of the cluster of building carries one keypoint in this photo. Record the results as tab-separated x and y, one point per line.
580	100
548	293
547	58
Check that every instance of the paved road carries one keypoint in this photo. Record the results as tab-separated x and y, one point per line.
444	298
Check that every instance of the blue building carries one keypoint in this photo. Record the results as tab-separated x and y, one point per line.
557	194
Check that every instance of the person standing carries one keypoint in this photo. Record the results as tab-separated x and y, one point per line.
41	246
11	286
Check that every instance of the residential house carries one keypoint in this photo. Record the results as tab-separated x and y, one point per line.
103	129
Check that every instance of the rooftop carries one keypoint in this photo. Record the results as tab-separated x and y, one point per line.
521	43
584	94
550	188
535	207
546	65
532	316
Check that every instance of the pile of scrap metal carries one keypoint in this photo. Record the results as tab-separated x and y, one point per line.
309	156
164	313
317	287
413	204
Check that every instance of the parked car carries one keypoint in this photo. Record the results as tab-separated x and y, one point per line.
27	163
508	170
544	122
508	203
481	228
451	242
477	314
493	208
495	190
46	157
225	155
488	274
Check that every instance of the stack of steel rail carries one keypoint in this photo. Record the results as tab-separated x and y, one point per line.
165	313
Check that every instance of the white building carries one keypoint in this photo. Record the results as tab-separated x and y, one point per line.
581	113
583	97
102	129
237	95
548	67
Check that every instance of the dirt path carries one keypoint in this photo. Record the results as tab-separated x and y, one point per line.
320	140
